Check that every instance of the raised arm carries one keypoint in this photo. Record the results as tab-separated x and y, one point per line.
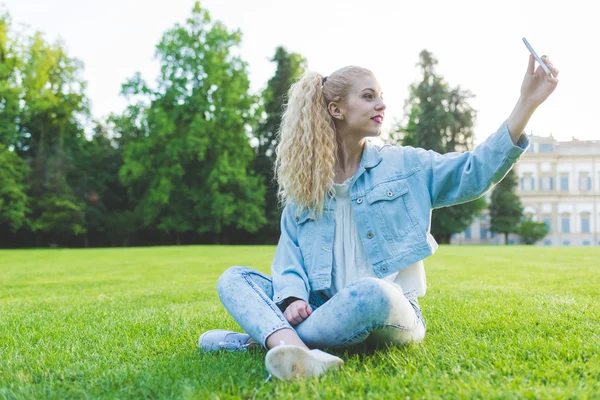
454	178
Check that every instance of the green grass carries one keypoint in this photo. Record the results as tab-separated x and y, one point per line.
503	322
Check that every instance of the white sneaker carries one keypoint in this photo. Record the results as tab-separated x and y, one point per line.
218	339
288	362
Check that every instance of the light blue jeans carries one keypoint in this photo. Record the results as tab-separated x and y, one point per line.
371	309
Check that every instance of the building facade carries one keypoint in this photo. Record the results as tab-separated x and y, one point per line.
559	184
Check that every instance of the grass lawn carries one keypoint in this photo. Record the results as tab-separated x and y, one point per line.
503	322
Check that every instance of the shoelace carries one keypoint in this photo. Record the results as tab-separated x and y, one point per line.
234	346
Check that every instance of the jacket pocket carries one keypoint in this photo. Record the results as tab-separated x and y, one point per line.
392	206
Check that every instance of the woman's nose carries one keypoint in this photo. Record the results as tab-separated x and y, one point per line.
381	106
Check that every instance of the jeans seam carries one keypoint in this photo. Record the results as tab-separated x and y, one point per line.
272	331
418	312
370	329
260	294
377	326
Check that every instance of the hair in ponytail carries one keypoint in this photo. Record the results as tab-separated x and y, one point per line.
308	142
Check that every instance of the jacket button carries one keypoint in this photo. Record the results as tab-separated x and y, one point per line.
389	193
297	219
383	269
370	235
359	200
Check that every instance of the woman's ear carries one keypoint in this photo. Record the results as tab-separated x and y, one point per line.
335	111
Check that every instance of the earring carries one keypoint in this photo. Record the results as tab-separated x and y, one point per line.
342	116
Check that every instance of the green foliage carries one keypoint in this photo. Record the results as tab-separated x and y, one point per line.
10	89
448	220
505	208
13	191
95	178
510	323
42	102
187	155
440	118
531	231
59	214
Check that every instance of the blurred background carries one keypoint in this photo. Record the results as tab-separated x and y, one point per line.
142	123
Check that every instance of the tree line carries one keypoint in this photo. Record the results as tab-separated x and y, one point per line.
189	160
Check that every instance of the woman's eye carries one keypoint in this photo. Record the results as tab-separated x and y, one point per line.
368	96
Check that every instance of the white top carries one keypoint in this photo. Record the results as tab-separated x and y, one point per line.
350	262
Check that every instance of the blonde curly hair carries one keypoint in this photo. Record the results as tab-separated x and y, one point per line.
308	142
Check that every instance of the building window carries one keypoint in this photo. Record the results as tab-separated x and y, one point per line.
565	224
547	242
468	233
483	231
566	242
585	182
564	182
585	223
528	182
545	148
546	183
548	222
586	243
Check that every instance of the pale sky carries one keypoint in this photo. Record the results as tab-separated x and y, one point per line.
477	43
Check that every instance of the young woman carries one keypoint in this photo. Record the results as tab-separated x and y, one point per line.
355	227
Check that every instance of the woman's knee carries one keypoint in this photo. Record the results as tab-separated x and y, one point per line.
380	301
229	277
375	289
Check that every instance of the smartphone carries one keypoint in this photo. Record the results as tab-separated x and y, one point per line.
544	67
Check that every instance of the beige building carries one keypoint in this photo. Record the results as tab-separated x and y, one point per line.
559	184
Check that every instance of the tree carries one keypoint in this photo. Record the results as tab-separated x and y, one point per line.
439	118
187	155
531	231
505	208
13	171
95	179
41	108
13	191
54	104
289	68
10	89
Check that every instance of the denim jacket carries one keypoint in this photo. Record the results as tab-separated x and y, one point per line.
392	194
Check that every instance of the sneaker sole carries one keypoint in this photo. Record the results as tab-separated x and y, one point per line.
289	362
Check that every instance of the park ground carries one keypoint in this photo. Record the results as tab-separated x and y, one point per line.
502	322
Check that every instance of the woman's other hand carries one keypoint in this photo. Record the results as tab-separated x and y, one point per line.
297	312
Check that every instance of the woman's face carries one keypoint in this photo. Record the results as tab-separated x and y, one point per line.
364	109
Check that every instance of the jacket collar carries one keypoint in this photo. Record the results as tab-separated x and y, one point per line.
370	157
